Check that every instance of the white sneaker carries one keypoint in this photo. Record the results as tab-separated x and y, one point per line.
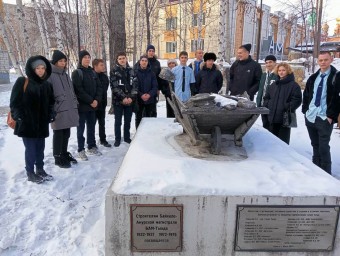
94	151
82	155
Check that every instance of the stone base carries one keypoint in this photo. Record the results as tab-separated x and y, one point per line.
209	223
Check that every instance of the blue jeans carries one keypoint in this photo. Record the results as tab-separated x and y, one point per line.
119	111
90	119
34	153
320	134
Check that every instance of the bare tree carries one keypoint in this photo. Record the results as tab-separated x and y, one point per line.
56	12
150	7
21	17
117	28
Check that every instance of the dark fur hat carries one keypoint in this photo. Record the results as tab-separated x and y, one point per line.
209	56
246	46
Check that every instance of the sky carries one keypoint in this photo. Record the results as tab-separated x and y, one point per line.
331	10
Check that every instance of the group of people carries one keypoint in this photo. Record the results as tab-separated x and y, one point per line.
49	96
277	90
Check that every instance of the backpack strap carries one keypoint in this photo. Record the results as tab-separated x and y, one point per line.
80	73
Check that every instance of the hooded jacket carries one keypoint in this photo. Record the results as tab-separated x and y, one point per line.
66	104
281	96
208	80
33	109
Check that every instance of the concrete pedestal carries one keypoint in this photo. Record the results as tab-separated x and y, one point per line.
209	213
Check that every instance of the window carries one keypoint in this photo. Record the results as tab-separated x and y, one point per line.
195	18
171	23
194	45
171	47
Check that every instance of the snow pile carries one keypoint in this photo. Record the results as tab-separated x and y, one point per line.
272	168
223	101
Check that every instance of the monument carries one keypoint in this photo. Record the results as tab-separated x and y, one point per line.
165	202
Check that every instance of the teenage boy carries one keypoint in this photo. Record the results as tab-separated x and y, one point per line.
184	78
99	67
89	93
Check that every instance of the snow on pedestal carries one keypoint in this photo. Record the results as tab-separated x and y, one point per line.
156	170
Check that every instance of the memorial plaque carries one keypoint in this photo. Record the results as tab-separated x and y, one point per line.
156	228
286	228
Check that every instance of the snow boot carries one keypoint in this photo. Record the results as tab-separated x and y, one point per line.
43	174
61	161
70	158
31	176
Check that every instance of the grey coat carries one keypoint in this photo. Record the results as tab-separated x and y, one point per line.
66	104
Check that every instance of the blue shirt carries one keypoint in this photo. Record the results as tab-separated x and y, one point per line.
314	111
189	78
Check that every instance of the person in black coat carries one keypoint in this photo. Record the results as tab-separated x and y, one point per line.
88	90
245	73
32	109
285	94
124	91
321	100
209	79
147	90
99	67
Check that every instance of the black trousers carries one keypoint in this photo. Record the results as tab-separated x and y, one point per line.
34	153
265	122
144	110
169	111
121	111
100	118
60	141
283	133
320	134
88	118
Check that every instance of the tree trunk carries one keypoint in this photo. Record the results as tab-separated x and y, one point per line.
40	25
56	12
45	31
117	29
135	33
102	35
22	21
147	16
222	39
200	26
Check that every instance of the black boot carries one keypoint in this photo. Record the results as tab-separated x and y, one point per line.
62	162
70	158
117	143
31	176
43	174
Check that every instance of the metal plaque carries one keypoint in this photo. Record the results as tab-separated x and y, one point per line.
286	228
156	227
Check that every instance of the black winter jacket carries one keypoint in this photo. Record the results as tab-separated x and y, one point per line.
105	82
87	88
245	75
281	96
123	84
333	97
33	109
147	83
208	80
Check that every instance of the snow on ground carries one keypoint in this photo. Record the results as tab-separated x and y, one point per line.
66	216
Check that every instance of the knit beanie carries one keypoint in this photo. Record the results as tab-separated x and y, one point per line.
82	54
57	55
270	57
150	46
209	56
247	47
38	62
